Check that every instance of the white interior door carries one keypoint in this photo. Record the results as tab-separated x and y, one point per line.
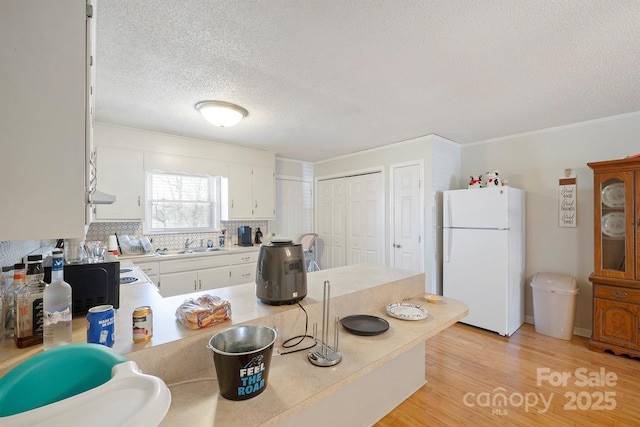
293	200
407	219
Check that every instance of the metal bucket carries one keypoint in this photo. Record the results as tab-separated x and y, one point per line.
242	356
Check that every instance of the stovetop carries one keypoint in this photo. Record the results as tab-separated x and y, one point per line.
132	275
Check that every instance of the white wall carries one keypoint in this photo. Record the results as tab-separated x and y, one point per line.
137	139
534	162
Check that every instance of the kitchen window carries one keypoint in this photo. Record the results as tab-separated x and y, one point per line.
181	203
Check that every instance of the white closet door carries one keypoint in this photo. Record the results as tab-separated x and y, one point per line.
350	220
331	222
323	222
355	224
365	219
338	223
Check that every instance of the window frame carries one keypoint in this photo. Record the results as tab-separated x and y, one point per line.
214	201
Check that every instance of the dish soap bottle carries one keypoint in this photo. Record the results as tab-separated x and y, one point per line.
57	306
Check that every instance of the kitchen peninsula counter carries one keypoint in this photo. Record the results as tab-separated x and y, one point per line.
389	366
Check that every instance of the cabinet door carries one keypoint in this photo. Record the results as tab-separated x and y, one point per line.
42	119
263	193
240	192
614	225
615	323
120	172
636	226
243	273
213	278
178	283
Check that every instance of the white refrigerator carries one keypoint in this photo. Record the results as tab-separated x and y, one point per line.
483	255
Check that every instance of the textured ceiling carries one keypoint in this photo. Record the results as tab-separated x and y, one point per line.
323	78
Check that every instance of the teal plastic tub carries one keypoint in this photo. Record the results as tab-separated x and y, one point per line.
54	375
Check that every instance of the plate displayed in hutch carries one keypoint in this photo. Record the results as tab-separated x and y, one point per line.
613	224
613	195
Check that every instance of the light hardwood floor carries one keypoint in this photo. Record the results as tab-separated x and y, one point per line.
469	370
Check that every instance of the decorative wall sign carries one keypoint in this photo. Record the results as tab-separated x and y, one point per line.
567	202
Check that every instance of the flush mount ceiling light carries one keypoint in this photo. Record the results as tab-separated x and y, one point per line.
222	114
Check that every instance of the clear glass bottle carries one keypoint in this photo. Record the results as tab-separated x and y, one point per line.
57	306
9	300
29	303
5	284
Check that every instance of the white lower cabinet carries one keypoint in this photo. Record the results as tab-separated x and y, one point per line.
243	268
192	281
193	274
213	278
178	283
188	275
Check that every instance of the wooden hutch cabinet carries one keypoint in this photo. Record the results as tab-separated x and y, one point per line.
616	276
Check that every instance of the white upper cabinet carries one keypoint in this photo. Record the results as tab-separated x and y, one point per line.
263	193
43	117
251	193
120	172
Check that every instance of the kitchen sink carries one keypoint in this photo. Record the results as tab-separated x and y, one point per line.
190	251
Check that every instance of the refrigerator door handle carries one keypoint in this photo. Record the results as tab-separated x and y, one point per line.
449	214
449	242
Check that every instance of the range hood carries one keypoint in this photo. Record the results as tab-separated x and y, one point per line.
97	197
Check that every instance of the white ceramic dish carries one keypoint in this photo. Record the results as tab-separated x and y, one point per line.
613	224
406	311
613	195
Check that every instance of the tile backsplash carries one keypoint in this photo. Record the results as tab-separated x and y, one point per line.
12	252
102	230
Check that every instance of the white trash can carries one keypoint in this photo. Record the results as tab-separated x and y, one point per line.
554	304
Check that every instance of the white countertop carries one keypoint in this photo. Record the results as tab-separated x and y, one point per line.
176	353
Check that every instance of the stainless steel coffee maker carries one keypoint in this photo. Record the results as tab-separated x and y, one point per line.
281	276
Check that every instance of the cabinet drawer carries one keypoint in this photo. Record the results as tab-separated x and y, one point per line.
150	269
243	273
197	263
615	293
243	258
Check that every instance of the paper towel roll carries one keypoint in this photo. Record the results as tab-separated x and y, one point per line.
113	244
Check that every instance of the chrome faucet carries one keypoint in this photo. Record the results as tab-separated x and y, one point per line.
188	243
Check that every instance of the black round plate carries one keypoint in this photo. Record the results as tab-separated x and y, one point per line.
362	324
